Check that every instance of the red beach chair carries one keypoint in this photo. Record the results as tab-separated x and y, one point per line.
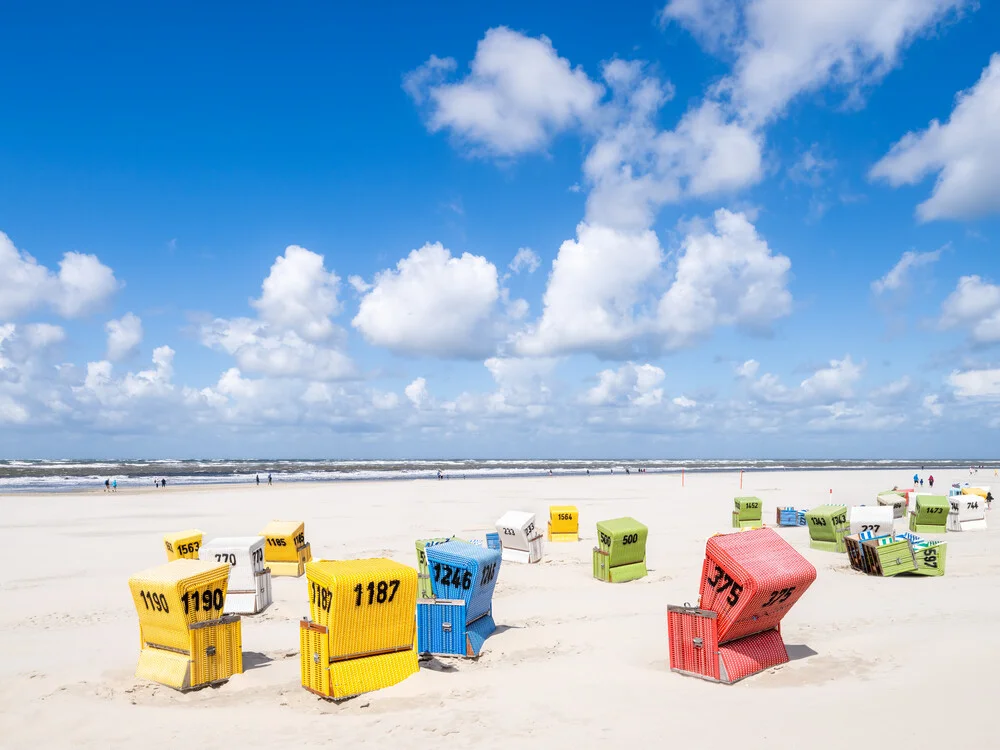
749	582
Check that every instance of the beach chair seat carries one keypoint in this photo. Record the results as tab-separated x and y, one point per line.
458	617
182	544
521	541
827	527
360	635
749	583
621	554
286	550
930	514
187	640
564	524
249	591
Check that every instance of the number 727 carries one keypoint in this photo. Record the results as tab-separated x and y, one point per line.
722	581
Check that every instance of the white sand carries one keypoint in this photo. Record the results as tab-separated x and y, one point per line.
575	663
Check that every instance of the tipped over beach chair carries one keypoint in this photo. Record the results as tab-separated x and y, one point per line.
520	540
621	554
249	591
749	582
457	618
285	548
187	640
360	635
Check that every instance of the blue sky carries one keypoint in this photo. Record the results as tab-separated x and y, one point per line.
742	229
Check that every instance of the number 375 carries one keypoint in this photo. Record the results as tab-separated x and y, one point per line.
722	581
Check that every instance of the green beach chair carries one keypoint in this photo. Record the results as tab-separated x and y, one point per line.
888	556
749	512
423	573
827	527
930	558
621	555
930	514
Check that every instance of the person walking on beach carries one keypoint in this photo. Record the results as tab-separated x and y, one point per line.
114	486
107	485
930	481
268	480
258	480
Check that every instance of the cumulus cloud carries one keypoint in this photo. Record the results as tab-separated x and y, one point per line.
100	385
784	49
748	369
526	259
518	94
961	152
124	336
418	394
294	335
976	383
975	305
82	284
299	295
435	304
827	385
933	404
629	384
725	277
897	275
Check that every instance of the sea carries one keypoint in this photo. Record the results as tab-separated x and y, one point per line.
77	474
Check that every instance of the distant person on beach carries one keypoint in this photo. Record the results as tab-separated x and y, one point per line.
114	486
163	482
588	472
627	471
930	481
107	485
916	480
269	479
921	482
440	475
258	480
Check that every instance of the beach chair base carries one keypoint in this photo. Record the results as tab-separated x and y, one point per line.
521	556
215	654
746	523
564	536
923	528
887	558
348	677
287	569
442	629
619	573
956	525
825	546
696	652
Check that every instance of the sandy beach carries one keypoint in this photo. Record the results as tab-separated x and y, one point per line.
574	662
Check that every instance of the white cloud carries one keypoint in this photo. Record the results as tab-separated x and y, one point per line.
784	49
974	304
894	389
434	304
521	382
418	394
258	348
43	335
835	381
100	385
898	273
525	259
748	369
810	167
299	295
962	153
82	284
684	402
630	383
359	284
385	401
518	95
124	336
729	277
294	336
976	383
595	283
933	405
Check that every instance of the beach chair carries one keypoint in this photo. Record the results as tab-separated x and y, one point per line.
457	618
749	513
827	527
423	577
183	544
896	500
749	582
930	557
786	517
286	550
875	518
249	587
930	514
967	513
187	639
360	635
621	555
564	523
888	556
520	540
493	540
